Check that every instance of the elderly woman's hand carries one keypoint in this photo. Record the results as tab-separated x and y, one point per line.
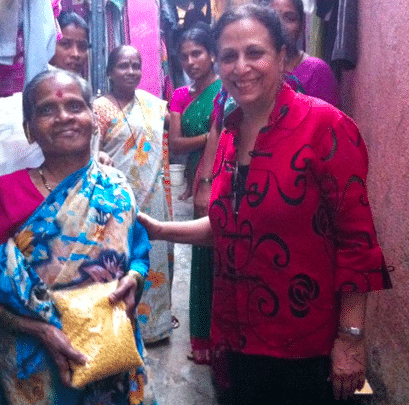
129	290
60	350
348	366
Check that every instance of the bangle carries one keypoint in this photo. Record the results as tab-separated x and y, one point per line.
351	331
207	180
206	134
138	278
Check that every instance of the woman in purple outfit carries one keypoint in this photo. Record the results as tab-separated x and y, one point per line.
305	74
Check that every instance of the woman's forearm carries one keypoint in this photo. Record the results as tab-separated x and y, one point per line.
195	232
352	311
209	152
16	324
180	144
188	144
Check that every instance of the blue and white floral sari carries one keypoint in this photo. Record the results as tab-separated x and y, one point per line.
85	231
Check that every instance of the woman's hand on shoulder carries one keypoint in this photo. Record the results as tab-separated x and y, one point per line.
153	227
60	350
348	366
104	158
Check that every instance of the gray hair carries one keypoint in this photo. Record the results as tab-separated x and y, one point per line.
29	93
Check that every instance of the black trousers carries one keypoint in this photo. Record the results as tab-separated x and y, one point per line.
270	381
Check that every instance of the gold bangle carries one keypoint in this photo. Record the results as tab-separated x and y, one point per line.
138	278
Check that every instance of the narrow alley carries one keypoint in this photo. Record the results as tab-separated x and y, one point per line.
178	380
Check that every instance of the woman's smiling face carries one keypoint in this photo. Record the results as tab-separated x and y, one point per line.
127	72
62	122
250	66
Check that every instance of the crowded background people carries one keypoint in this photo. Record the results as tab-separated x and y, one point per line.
131	123
190	119
71	54
305	73
77	225
71	50
295	248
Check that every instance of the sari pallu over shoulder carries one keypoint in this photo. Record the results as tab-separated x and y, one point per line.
85	231
133	138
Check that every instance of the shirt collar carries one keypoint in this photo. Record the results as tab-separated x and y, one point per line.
282	113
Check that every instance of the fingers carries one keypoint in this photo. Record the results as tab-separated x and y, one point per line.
62	352
126	291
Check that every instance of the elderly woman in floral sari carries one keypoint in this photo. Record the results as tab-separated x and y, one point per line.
76	226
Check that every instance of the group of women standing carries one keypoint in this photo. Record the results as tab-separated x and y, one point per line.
281	264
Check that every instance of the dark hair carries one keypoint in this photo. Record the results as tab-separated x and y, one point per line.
71	18
201	34
29	93
114	56
263	14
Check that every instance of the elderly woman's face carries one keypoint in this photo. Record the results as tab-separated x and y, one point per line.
250	66
71	51
62	122
127	71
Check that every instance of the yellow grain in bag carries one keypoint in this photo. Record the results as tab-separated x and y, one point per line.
98	329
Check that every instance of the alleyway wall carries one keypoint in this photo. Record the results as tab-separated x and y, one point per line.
376	95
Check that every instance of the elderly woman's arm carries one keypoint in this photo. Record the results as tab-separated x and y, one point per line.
348	354
130	287
52	338
195	232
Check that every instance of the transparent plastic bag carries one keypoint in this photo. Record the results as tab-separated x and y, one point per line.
98	329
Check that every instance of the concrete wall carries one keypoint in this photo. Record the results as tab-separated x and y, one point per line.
376	95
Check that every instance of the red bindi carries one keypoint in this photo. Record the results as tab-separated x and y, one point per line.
59	93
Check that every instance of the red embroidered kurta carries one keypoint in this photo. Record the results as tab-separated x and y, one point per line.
303	231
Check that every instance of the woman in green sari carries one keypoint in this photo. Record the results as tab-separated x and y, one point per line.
190	120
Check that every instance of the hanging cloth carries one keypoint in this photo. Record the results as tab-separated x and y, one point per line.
9	22
40	36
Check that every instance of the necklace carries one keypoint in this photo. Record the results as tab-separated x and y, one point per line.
126	119
147	126
44	180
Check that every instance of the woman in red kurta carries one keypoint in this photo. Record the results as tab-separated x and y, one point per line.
295	246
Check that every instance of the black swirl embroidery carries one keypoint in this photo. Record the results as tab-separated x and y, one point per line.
265	300
322	222
254	196
305	160
363	198
303	289
334	147
275	238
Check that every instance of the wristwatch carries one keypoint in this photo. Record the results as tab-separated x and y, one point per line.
351	331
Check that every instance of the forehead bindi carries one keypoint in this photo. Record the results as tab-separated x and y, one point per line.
57	88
